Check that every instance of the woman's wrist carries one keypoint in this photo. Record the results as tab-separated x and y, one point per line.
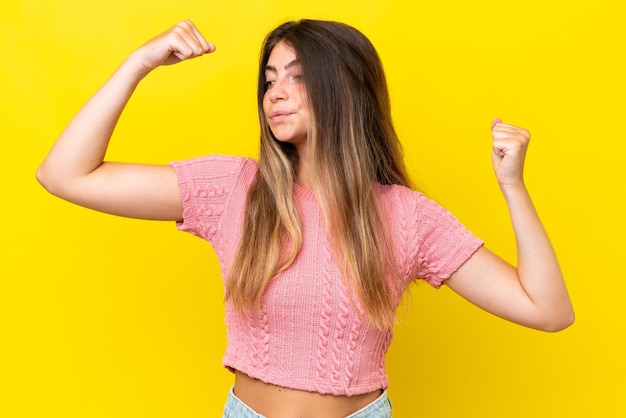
134	68
514	191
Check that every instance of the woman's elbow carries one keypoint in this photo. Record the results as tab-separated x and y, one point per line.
45	179
49	181
558	322
42	178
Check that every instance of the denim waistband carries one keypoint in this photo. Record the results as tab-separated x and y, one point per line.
379	408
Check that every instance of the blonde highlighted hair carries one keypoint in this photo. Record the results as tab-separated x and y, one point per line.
352	145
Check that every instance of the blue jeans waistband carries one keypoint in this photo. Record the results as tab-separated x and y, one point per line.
379	408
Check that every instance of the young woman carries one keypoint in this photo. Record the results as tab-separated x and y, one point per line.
318	239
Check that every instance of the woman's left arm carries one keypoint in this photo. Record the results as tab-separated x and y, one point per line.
533	294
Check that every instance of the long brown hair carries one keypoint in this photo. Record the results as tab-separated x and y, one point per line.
352	145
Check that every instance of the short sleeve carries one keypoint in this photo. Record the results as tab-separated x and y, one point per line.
207	185
441	242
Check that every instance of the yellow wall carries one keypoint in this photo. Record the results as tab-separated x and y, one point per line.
109	317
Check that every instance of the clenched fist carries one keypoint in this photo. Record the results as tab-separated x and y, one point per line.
181	42
509	152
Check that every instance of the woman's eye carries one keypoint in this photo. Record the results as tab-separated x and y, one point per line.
298	77
268	84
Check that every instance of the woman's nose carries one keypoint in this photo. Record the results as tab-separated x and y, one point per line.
278	91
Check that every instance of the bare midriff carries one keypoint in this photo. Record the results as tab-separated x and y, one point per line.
280	402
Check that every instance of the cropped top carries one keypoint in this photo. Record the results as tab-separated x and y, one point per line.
310	335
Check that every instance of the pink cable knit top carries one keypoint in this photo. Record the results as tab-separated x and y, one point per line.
309	335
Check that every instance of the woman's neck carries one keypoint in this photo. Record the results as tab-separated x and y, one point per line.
302	170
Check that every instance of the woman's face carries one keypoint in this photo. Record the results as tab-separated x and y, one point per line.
285	104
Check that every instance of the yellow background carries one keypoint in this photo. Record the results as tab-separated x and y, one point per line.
109	317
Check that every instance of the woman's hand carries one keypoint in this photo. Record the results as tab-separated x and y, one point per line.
181	42
509	152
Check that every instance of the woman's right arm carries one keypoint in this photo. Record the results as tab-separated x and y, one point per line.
75	169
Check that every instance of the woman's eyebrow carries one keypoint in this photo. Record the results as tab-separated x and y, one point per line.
288	66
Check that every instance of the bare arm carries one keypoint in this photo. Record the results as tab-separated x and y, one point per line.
75	169
533	294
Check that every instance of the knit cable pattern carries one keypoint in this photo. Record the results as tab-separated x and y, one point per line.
311	334
326	315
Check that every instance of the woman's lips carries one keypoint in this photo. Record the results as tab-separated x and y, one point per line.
278	115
